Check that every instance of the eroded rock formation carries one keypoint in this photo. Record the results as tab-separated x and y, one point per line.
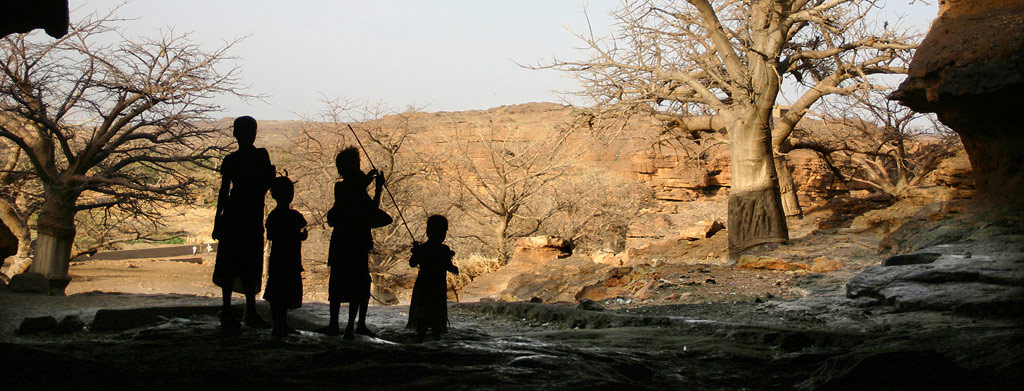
969	70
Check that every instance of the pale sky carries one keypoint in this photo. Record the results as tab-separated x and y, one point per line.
446	55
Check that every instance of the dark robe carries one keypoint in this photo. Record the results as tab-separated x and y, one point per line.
429	306
353	215
239	225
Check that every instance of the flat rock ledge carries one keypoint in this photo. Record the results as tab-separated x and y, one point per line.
946	278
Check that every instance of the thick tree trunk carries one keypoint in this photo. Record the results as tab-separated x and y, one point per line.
56	234
787	188
755	206
500	235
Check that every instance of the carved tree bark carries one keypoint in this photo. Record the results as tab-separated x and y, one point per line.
56	234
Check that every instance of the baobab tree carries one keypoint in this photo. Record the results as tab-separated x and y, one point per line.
121	126
706	66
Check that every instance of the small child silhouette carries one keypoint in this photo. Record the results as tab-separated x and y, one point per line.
429	306
286	229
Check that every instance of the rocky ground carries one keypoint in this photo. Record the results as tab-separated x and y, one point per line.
821	313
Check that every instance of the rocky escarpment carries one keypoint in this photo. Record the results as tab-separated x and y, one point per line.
691	172
968	71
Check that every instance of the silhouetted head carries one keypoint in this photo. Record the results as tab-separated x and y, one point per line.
282	190
348	162
245	130
437	228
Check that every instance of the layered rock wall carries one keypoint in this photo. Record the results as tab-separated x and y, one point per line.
969	70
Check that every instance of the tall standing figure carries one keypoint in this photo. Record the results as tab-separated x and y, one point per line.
353	215
246	175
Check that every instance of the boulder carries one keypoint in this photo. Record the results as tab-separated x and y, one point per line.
825	265
701	230
115	320
37	325
752	262
954	172
600	292
625	282
811	175
29	283
609	258
557	280
924	195
590	305
884	220
539	249
22	17
69	324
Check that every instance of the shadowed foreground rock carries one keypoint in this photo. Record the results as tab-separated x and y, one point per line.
983	285
527	346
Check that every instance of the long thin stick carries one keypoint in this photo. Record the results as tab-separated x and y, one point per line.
393	201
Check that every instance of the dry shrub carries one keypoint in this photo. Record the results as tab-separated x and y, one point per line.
470	268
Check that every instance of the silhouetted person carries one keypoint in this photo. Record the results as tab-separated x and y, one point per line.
429	306
238	225
353	215
286	229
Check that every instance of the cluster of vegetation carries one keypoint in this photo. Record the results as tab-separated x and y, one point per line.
494	183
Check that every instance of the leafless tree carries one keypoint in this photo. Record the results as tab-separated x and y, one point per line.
385	135
20	200
111	126
495	176
706	66
882	143
593	208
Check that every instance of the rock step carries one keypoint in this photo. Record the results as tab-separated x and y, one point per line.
490	285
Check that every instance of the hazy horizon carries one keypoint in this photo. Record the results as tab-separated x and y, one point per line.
453	55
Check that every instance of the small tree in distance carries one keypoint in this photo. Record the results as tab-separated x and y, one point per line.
498	178
120	126
888	147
